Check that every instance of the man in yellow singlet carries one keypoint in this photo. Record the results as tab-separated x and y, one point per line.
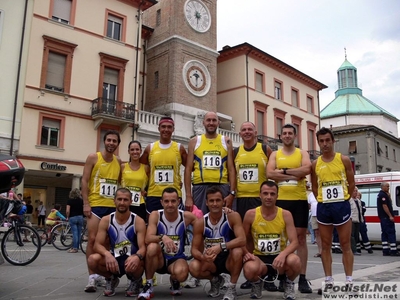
289	167
210	157
333	182
268	228
165	158
99	184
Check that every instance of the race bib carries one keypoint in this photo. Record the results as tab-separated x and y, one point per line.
164	175
136	195
269	244
332	193
123	248
108	187
212	160
210	242
288	183
248	173
176	240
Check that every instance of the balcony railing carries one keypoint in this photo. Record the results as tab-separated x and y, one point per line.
273	143
103	107
314	154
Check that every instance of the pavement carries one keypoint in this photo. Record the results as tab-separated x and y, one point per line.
60	275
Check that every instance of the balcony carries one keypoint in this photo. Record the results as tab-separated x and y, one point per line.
271	142
112	112
314	154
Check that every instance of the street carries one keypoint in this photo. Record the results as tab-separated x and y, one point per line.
60	275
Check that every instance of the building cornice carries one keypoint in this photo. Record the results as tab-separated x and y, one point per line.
363	128
246	49
186	42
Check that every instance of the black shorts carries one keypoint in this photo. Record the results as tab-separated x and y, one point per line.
299	210
335	213
101	211
121	265
268	259
220	263
140	211
167	263
246	203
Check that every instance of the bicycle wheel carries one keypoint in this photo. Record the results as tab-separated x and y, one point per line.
84	240
21	245
42	235
62	236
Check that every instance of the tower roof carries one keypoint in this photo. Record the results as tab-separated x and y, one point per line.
353	104
347	65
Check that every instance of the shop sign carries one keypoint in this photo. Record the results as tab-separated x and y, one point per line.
54	167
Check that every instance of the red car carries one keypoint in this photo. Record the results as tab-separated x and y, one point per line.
11	172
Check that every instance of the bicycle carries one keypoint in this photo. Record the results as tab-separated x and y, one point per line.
84	239
16	247
59	235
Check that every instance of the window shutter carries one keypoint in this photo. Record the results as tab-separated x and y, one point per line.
111	76
56	70
50	123
62	9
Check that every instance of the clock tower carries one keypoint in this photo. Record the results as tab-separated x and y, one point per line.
181	57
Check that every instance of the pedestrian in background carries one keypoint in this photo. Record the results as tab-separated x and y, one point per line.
74	214
356	218
385	214
363	227
41	213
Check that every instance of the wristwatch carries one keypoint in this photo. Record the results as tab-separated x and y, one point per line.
139	255
233	193
223	247
161	236
284	171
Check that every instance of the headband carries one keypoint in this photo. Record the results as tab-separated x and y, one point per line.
166	121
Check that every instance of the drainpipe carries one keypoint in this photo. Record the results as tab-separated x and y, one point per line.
247	86
17	82
136	68
144	72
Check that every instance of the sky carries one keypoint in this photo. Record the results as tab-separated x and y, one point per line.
310	35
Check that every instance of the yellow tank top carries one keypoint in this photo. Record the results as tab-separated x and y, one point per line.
165	163
332	180
52	217
269	237
210	156
291	189
103	182
250	170
136	182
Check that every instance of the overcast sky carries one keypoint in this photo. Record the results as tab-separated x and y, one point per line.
310	35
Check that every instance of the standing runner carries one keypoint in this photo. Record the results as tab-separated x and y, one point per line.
99	183
288	167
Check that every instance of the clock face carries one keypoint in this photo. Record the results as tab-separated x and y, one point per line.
198	15
196	78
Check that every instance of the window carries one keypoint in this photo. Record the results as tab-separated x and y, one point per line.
55	72
112	75
278	90
352	147
115	26
311	140
156	78
260	123
378	149
394	155
158	17
297	140
310	105
62	11
386	151
110	84
388	169
56	65
279	125
295	98
51	130
259	82
379	169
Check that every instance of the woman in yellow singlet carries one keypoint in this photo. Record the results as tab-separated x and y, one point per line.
135	176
